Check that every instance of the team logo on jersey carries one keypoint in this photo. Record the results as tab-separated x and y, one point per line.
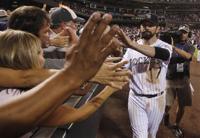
151	66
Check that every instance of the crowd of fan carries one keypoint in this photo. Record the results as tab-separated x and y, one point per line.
175	18
131	31
185	17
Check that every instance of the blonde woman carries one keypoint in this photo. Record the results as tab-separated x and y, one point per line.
19	51
22	50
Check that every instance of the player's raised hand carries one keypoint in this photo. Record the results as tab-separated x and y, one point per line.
126	40
87	56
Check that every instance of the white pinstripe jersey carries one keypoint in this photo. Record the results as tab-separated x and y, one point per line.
149	74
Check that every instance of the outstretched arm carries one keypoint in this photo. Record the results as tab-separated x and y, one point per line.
22	113
29	78
23	78
112	71
66	114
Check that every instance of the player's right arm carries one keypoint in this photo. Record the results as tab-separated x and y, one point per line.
23	78
155	52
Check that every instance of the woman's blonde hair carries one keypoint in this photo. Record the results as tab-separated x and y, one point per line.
19	50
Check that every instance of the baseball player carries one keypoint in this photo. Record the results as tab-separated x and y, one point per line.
148	60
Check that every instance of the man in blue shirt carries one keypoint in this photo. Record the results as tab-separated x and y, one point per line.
178	79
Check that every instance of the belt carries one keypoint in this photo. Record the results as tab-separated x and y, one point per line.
149	95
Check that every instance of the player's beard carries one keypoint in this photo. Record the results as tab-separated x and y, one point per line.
147	35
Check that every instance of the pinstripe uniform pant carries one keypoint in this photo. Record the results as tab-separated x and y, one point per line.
145	114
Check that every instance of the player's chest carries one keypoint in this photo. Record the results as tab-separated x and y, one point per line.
140	63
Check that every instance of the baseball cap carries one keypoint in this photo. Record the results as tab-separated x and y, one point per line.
184	28
63	14
150	18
